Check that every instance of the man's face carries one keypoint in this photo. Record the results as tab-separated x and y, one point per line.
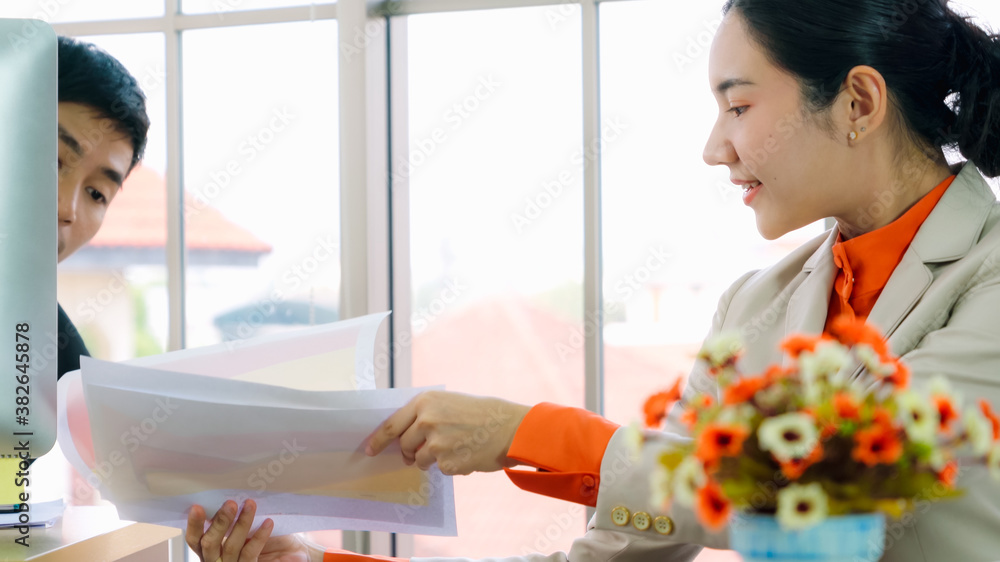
94	158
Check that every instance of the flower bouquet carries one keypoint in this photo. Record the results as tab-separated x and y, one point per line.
804	445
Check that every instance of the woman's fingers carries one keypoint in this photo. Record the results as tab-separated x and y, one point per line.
254	546
233	545
412	442
211	541
392	428
195	528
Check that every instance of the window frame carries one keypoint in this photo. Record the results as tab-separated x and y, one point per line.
374	221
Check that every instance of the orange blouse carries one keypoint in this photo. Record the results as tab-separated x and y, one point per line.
866	262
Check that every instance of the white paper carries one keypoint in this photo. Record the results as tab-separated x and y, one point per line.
163	440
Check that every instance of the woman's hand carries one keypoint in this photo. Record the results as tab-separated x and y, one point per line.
461	433
214	545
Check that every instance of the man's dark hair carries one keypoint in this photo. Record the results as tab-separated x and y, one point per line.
90	76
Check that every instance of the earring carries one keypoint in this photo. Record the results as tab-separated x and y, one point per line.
863	129
853	136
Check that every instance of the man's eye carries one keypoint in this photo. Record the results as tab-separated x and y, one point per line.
739	110
96	195
60	163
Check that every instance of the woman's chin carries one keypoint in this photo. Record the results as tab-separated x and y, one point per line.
768	230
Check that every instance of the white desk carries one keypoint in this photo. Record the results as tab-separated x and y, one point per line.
95	534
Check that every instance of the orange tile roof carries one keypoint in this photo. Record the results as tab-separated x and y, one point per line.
512	348
137	218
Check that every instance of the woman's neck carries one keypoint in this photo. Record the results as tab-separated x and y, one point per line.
896	193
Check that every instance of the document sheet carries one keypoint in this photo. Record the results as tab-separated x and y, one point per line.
281	419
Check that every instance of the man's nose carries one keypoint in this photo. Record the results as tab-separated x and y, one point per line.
67	202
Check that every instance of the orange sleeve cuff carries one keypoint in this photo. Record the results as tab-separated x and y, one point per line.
567	446
348	556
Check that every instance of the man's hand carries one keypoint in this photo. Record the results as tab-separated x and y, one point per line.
214	545
461	433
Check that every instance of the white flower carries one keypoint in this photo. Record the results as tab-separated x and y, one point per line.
871	360
738	414
721	349
820	368
919	417
979	430
687	478
937	460
634	441
828	358
993	462
801	507
659	485
788	436
939	386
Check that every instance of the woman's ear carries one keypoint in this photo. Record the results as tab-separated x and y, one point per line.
866	92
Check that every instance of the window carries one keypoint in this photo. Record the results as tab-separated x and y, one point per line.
119	279
220	7
496	248
261	177
61	11
247	128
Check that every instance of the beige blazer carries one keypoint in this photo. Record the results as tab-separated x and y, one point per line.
941	313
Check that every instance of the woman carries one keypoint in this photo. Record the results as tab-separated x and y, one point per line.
827	108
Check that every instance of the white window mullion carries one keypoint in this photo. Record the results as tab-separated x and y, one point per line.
593	297
176	252
399	201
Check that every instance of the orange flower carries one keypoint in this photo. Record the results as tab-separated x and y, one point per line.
743	390
690	418
776	373
712	507
878	444
794	468
948	474
947	412
853	331
846	406
795	344
900	377
992	416
716	441
882	417
656	406
702	401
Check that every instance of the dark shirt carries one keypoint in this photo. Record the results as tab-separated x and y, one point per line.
71	345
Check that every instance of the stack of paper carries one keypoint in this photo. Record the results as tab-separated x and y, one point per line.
160	434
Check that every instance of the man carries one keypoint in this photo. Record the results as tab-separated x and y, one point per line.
102	135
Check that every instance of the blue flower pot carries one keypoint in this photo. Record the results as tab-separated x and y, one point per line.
846	538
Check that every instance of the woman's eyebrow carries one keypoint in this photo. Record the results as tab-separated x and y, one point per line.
731	83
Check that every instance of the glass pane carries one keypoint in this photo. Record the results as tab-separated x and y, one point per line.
222	6
497	240
676	232
61	11
261	181
114	289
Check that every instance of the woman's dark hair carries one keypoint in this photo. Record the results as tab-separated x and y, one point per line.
92	77
942	71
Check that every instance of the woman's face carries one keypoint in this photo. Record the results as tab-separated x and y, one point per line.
764	136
